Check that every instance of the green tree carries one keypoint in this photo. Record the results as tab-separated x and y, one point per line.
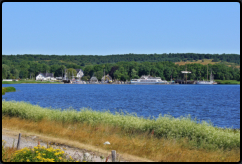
134	74
117	75
5	71
99	75
15	73
85	78
71	72
88	70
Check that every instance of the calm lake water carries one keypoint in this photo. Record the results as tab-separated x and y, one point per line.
219	104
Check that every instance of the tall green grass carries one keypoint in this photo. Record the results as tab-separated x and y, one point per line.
8	89
227	81
201	135
29	81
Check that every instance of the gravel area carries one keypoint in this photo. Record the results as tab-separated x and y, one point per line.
75	153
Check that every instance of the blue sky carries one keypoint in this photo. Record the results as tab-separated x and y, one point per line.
106	28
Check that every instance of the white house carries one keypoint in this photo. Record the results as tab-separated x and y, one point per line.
45	76
78	75
7	79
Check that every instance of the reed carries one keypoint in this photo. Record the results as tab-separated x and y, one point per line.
227	81
140	145
8	89
198	135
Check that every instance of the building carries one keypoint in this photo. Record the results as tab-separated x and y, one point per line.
79	73
7	79
107	78
93	80
45	76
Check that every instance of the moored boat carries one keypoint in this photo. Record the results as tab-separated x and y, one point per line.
208	82
148	80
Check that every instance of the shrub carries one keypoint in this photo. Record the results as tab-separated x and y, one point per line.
37	154
164	126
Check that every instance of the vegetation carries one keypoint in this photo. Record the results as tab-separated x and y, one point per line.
8	89
122	67
117	129
166	70
29	81
36	154
200	135
227	81
82	60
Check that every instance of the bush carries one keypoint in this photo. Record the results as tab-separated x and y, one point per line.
164	126
8	89
37	154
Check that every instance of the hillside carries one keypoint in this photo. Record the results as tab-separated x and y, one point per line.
208	61
123	67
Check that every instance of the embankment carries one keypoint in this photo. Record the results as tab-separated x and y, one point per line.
155	139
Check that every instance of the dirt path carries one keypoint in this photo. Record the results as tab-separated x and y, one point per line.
72	148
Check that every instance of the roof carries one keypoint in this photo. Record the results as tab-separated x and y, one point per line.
77	70
107	77
47	74
93	79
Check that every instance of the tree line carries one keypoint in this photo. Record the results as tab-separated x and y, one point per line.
82	60
123	70
166	70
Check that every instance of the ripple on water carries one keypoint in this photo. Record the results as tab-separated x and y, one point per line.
218	103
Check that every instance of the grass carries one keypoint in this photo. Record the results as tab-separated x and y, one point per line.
36	154
227	81
162	139
207	61
7	89
29	81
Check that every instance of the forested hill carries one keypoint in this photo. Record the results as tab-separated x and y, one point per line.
122	67
82	60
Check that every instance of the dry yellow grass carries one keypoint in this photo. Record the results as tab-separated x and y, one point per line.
9	152
206	61
141	145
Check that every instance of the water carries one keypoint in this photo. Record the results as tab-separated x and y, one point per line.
219	104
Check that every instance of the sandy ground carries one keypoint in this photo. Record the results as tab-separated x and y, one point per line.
74	149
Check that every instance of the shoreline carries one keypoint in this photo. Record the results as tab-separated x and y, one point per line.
126	133
125	84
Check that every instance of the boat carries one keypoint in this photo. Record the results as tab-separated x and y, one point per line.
148	80
208	82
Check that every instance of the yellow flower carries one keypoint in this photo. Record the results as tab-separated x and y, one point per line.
60	157
28	160
51	160
39	157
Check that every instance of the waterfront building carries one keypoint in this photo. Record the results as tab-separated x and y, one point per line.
45	76
93	80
